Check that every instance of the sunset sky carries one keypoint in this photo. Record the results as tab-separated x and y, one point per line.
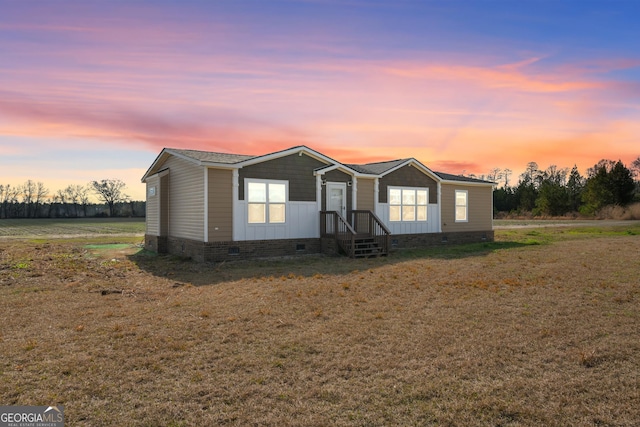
95	89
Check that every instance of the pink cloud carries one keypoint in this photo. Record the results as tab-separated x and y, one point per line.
122	124
505	77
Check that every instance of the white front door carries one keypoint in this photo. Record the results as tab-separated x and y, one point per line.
337	197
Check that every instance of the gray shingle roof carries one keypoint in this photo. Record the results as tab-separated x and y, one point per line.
207	156
377	168
450	177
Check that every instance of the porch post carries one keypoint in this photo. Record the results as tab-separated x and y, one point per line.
319	191
354	194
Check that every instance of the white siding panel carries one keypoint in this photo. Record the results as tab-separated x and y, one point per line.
186	199
413	227
303	221
153	207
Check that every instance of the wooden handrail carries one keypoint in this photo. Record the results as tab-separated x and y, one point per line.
372	216
332	224
364	224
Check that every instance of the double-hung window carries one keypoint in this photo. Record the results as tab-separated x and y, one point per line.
462	205
267	202
408	204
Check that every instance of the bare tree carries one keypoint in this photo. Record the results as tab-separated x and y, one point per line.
556	175
27	190
494	175
110	191
83	197
41	193
3	192
9	198
76	195
635	168
60	196
531	174
506	173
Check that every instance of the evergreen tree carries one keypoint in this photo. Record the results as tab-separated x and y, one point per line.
609	183
575	186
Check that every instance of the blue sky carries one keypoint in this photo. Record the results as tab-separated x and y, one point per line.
95	89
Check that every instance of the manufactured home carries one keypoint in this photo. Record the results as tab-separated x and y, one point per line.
216	206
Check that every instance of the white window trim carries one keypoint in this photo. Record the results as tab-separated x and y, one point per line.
456	206
426	189
247	181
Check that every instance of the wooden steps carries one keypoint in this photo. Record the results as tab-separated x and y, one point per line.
366	247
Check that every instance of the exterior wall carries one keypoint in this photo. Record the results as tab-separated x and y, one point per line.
298	170
338	176
431	225
366	194
302	221
164	205
480	208
220	209
408	176
186	199
153	207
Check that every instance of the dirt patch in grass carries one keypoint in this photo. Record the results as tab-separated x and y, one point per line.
505	333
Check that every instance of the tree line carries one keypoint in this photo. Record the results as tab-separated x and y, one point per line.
34	200
560	191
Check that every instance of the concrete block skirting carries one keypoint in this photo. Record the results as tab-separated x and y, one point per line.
254	249
406	241
232	251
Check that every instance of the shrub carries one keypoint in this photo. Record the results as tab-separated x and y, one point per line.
630	212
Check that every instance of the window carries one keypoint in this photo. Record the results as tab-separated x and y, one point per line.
408	204
266	202
462	205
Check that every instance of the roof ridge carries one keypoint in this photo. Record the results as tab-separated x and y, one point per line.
210	152
384	161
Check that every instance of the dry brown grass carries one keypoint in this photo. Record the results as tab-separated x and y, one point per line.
519	335
631	212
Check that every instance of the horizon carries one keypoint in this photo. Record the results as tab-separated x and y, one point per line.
95	90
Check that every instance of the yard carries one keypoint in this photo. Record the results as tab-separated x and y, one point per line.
541	327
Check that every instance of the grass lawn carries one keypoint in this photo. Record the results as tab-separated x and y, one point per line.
541	327
56	227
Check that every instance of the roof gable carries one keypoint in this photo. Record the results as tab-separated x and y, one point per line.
384	168
300	150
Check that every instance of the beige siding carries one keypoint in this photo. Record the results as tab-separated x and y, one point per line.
153	207
186	199
480	209
220	205
407	176
366	196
